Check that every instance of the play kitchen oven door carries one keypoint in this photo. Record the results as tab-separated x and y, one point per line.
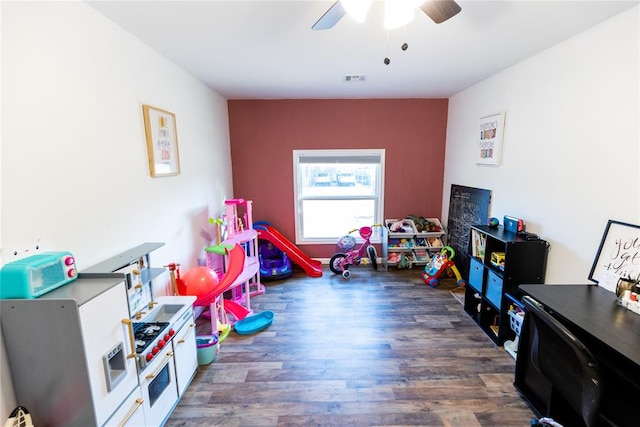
156	368
158	385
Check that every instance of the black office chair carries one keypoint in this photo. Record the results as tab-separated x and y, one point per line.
569	393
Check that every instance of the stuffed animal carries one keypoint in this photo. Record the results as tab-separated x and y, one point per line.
396	226
423	224
405	261
393	257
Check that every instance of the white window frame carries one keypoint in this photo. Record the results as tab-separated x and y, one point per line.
337	154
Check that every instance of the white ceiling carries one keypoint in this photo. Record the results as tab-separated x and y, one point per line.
266	49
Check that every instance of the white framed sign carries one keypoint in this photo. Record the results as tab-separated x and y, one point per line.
618	255
489	148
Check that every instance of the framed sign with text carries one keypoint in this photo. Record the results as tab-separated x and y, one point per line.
489	149
162	141
618	255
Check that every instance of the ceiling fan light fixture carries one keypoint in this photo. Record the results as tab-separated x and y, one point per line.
357	9
398	13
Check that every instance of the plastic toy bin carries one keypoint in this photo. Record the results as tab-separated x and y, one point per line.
515	321
476	270
207	349
494	289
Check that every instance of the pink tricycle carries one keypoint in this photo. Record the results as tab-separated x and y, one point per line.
341	261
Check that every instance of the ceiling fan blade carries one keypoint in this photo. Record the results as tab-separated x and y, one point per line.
330	17
440	10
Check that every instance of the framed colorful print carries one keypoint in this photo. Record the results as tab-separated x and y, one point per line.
489	149
162	141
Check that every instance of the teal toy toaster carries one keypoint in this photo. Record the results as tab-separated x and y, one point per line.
36	275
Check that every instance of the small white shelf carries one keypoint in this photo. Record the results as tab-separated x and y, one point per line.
407	240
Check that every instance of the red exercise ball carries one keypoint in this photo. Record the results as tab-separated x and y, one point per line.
199	281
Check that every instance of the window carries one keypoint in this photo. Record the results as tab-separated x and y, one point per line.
336	191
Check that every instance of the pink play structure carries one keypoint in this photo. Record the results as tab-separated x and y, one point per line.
233	271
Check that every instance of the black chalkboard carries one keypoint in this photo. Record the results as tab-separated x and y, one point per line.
467	206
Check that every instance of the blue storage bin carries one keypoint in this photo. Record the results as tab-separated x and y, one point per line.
494	288
476	271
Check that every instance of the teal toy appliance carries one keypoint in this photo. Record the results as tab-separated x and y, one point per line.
36	275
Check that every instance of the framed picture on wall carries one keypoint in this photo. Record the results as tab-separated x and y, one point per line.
489	148
162	141
618	255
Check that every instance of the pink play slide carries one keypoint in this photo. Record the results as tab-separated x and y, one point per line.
311	267
236	310
235	267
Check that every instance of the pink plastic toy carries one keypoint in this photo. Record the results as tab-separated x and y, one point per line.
341	261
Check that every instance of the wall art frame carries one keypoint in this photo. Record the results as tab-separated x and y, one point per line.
618	255
162	141
489	148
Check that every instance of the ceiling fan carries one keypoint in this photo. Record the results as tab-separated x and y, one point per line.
438	10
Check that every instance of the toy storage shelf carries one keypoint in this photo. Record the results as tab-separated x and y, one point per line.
500	261
408	242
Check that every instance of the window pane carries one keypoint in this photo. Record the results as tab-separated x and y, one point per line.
336	191
331	219
337	180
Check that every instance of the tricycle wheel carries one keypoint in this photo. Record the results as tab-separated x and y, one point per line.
335	262
373	256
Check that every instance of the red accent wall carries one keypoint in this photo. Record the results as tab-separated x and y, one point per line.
265	132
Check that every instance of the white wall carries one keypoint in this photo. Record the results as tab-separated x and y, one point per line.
571	142
74	163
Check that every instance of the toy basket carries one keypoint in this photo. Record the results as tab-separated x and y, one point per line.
207	348
516	319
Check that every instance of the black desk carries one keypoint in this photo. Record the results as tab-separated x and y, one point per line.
610	332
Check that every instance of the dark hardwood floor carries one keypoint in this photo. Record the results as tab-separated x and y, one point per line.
379	349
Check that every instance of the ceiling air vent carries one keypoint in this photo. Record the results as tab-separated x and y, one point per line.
352	78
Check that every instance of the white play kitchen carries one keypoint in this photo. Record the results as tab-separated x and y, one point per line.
96	349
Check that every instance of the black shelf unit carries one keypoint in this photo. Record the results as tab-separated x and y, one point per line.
490	288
